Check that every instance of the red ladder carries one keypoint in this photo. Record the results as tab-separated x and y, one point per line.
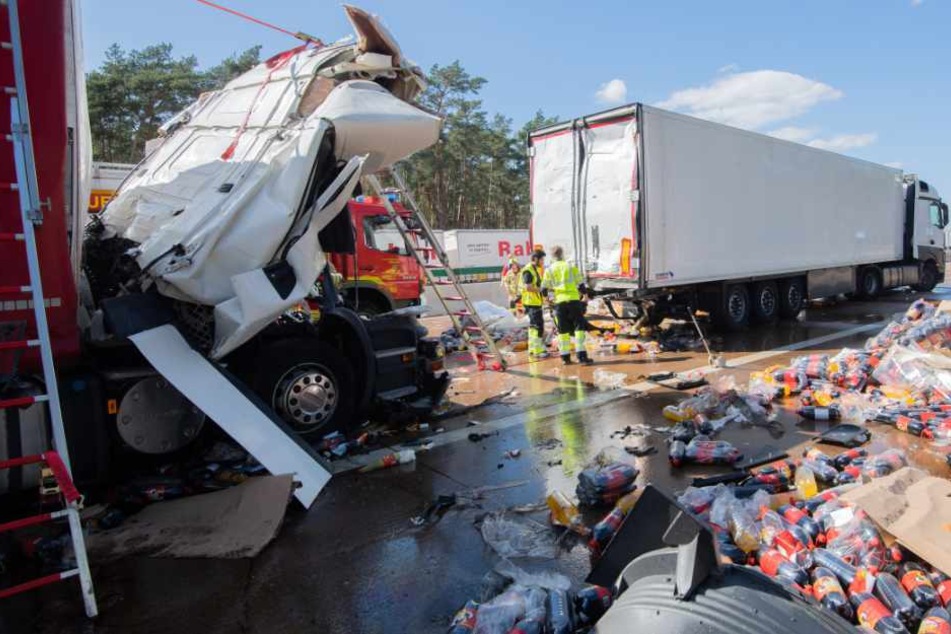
31	214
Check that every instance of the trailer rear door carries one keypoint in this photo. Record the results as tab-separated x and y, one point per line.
584	192
553	174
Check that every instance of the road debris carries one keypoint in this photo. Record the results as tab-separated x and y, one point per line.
512	538
602	485
640	452
435	510
480	436
405	456
606	380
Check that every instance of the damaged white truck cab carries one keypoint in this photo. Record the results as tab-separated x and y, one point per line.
221	231
664	212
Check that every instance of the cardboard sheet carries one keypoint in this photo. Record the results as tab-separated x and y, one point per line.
915	508
228	524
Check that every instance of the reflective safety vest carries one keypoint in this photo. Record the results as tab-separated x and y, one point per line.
564	279
530	298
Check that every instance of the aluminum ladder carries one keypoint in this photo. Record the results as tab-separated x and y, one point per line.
479	341
31	214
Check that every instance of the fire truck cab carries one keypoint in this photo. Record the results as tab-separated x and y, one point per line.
382	275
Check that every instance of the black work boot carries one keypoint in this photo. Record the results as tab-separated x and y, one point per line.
584	358
566	359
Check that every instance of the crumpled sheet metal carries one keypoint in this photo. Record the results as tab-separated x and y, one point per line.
223	194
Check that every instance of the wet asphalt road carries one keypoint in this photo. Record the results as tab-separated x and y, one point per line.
355	563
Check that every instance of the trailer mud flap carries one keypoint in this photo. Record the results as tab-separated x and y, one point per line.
267	439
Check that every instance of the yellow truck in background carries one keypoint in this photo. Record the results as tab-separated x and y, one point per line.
106	178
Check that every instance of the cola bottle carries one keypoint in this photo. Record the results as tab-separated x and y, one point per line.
846	457
936	621
774	564
918	586
677	452
828	591
873	614
800	519
942	584
891	593
830	561
591	603
813	412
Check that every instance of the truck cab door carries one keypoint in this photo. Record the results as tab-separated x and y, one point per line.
931	218
387	262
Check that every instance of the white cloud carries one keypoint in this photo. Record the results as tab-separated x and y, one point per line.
752	99
614	91
728	68
837	143
845	142
793	133
896	164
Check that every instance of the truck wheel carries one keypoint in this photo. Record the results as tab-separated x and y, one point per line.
792	297
734	313
309	385
870	283
765	302
369	306
928	279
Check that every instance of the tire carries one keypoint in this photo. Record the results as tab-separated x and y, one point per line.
869	284
293	367
928	279
369	306
764	302
792	297
734	312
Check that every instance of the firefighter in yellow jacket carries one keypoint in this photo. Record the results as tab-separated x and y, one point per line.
564	280
531	285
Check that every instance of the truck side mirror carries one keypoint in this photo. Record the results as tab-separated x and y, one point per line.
944	215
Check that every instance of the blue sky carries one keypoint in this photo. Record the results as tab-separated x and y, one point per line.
869	78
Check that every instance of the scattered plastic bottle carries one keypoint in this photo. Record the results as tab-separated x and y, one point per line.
936	621
818	500
942	584
561	618
603	531
884	463
711	452
846	457
828	591
565	513
823	471
916	583
591	603
830	561
802	520
774	564
813	412
677	452
910	425
806	482
464	621
891	593
873	614
389	460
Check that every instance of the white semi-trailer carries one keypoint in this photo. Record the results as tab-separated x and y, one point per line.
664	212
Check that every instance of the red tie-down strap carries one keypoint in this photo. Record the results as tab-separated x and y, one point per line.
61	474
273	64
